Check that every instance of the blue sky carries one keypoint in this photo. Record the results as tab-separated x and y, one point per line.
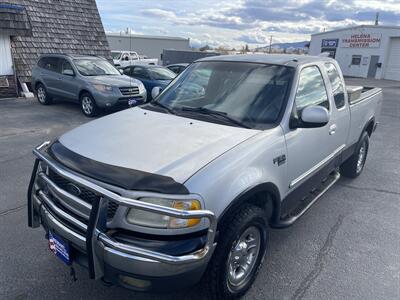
237	22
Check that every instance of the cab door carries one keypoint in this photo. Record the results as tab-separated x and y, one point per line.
340	106
310	149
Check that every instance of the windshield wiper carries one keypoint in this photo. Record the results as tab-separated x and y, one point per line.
215	113
168	109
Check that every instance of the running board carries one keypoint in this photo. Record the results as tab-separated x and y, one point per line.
307	202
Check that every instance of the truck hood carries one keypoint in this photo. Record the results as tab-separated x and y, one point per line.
115	80
154	142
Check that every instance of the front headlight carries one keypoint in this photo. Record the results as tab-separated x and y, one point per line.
141	87
103	87
155	220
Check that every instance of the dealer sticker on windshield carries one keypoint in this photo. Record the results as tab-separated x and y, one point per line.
59	247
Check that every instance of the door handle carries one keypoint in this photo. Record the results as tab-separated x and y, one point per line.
332	129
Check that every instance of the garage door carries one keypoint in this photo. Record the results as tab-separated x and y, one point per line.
393	65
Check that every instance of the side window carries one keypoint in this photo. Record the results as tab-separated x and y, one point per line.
174	69
125	56
127	71
65	65
140	72
337	85
311	89
52	64
133	56
42	62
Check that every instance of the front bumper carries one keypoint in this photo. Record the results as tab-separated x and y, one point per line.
105	257
116	98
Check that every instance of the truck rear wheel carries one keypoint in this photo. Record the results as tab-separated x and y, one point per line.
354	166
239	254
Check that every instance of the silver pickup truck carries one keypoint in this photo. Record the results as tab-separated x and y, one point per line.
186	188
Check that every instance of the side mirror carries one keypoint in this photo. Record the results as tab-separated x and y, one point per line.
121	71
68	72
155	92
314	116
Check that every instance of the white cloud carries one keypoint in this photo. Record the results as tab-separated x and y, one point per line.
235	22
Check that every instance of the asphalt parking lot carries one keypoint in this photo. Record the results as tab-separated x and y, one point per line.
346	247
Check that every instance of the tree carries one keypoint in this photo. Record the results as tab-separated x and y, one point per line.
205	48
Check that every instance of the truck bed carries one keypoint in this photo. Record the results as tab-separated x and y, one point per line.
365	104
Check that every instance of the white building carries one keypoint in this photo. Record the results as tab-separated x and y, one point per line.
150	46
363	51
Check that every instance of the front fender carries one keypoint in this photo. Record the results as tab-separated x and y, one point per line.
242	170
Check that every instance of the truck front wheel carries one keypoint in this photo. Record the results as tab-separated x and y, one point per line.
241	248
354	166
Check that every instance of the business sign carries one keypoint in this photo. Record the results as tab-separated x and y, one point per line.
330	43
361	40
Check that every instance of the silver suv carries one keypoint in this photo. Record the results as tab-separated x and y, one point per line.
89	80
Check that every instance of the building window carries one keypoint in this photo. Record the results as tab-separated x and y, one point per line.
356	60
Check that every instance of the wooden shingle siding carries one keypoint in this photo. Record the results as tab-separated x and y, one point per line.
58	26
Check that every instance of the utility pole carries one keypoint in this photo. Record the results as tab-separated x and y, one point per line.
270	44
377	19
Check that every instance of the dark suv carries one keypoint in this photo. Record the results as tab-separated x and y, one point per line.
89	80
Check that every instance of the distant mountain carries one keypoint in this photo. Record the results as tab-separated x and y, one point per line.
295	45
291	45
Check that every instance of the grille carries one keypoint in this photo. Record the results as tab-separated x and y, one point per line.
111	210
85	195
129	91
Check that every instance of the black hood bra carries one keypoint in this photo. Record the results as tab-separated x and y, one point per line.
128	179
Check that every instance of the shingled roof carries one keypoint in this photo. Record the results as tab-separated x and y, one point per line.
14	19
58	26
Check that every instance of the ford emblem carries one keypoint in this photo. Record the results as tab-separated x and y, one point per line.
73	189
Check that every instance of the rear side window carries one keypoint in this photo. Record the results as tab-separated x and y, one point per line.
42	62
337	85
50	63
311	89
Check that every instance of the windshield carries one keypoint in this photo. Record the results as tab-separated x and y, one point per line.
251	93
116	55
95	67
161	74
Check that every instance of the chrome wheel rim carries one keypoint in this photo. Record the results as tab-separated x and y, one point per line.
242	258
361	157
41	94
87	105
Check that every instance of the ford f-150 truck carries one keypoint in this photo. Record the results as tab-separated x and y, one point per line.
186	188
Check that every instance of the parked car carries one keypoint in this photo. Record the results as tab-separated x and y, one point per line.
89	80
130	58
177	68
151	76
187	186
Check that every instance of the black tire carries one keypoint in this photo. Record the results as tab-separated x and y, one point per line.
42	96
354	165
216	279
88	105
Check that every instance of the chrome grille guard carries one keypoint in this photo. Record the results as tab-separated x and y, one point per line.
97	232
